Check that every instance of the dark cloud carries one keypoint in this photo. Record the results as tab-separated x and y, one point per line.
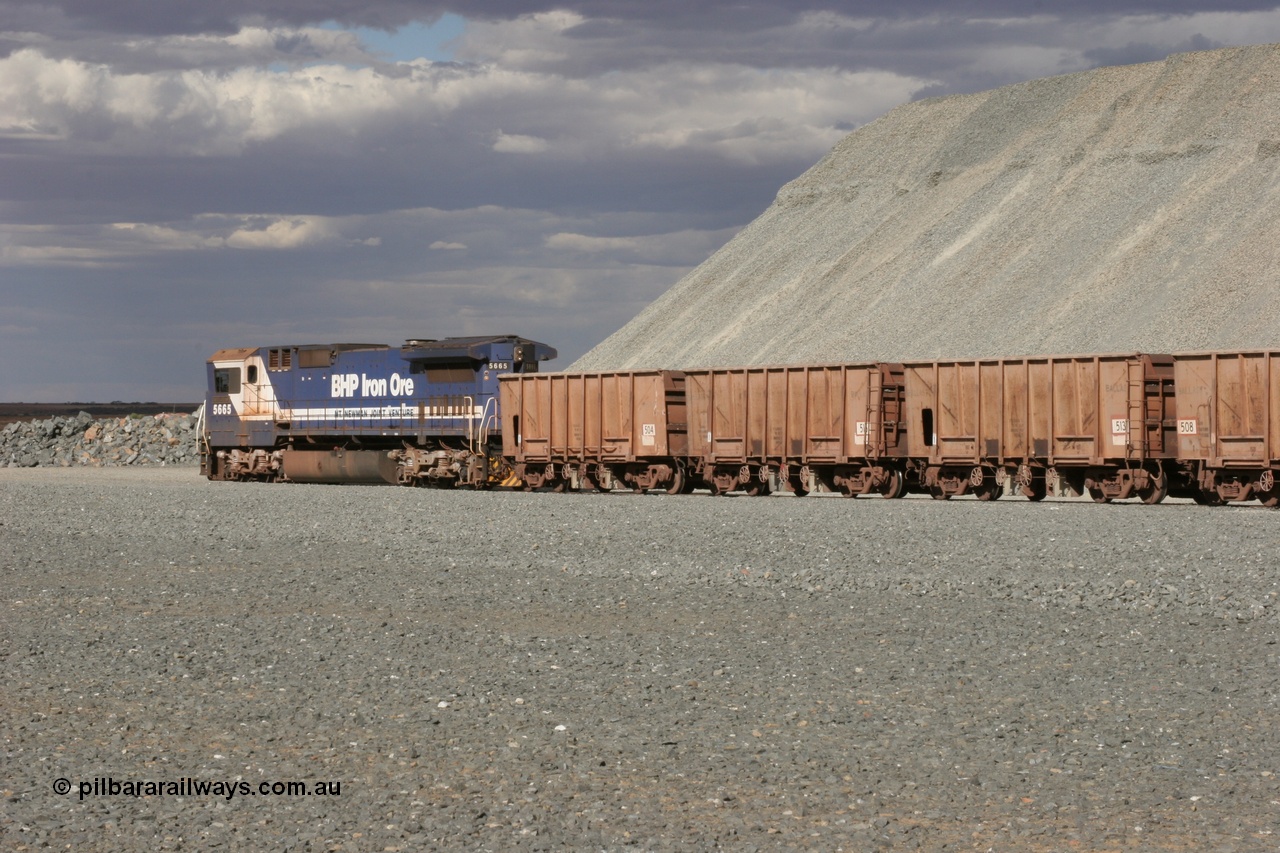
1136	52
226	16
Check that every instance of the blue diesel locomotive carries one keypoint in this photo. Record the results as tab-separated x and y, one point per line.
423	414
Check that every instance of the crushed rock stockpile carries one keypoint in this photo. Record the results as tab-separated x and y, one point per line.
65	442
1120	209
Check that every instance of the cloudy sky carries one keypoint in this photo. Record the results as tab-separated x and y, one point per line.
180	176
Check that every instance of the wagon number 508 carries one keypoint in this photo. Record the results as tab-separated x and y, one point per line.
1187	427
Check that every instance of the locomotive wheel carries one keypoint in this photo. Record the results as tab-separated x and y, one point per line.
896	487
1157	491
676	486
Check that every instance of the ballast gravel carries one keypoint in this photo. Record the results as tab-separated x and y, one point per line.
511	671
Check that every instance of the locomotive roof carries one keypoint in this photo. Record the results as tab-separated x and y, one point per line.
414	349
474	348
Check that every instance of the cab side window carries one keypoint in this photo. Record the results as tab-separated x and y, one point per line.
226	380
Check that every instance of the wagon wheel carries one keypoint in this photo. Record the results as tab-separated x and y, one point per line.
989	491
690	483
1099	497
797	487
1204	498
939	494
590	483
1037	490
1268	489
676	485
559	485
896	487
1156	490
757	489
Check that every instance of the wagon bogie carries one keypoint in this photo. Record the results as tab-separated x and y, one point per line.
754	480
1219	486
667	475
866	479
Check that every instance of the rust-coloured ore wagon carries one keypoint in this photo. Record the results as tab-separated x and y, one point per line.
838	424
1228	425
1104	423
596	430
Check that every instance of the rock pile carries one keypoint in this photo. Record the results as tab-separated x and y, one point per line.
65	442
1119	209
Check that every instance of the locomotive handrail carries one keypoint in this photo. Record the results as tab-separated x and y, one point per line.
485	417
471	423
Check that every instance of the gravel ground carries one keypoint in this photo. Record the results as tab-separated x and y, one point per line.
526	671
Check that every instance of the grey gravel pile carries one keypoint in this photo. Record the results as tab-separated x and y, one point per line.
511	671
1120	209
66	442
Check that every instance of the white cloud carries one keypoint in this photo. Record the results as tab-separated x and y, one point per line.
515	143
120	241
447	245
583	243
741	113
283	234
690	245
